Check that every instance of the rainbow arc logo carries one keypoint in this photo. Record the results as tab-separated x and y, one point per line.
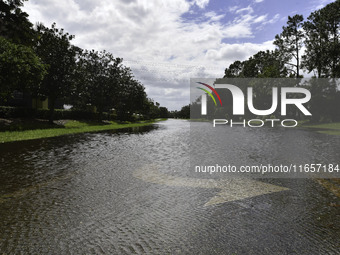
209	93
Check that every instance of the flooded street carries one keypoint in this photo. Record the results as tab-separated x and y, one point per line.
131	192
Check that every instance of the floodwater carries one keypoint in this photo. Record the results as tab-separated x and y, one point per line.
131	192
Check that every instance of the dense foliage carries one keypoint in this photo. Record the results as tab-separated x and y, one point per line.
43	62
320	35
21	68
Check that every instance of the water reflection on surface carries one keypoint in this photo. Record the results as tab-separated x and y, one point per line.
79	194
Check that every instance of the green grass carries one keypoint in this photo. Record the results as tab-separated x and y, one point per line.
330	132
71	127
334	125
325	128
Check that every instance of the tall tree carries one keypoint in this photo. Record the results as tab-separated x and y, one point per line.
20	68
131	98
323	41
315	58
95	83
104	82
234	69
14	23
290	42
264	64
55	49
332	12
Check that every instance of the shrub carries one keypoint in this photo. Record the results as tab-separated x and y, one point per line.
21	112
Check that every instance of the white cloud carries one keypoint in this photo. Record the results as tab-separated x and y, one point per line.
163	50
232	52
319	4
238	30
233	8
213	16
242	25
248	9
260	19
274	19
258	1
201	3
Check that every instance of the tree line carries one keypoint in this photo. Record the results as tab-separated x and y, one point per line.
320	37
311	45
43	61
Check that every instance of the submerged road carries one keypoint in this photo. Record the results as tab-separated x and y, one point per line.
132	192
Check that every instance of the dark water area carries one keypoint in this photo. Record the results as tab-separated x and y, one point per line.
293	148
131	192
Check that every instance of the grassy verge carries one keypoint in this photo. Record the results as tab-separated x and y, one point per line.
326	128
40	130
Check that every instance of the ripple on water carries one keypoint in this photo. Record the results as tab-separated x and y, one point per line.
78	194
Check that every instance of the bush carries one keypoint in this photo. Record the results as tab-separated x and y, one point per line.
16	112
21	112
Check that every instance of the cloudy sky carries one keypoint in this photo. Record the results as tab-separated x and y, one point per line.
167	42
